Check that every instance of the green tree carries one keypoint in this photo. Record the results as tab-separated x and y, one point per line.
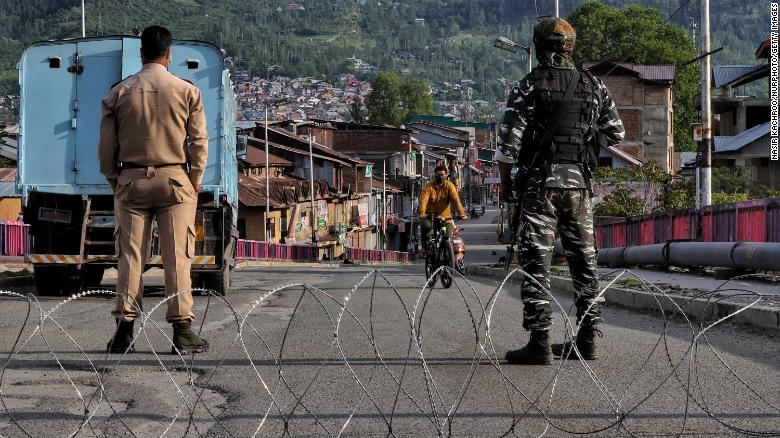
356	111
622	202
734	185
635	187
384	100
416	97
641	35
392	100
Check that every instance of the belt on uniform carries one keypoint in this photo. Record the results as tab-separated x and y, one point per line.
159	166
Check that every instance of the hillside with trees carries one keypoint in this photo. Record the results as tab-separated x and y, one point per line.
435	40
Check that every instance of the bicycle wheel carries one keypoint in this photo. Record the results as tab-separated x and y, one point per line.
447	260
460	266
430	266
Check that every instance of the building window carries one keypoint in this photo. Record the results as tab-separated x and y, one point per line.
271	228
242	228
605	162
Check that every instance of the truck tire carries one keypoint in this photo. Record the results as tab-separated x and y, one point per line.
197	282
218	281
92	276
48	280
72	281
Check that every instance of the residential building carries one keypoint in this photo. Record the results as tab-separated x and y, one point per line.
742	129
749	150
643	95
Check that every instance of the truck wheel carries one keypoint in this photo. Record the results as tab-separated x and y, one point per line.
197	282
48	280
72	281
219	281
92	276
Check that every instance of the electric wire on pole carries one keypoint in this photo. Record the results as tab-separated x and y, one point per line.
313	216
705	165
267	180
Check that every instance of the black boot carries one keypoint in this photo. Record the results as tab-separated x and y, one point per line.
585	342
185	340
536	352
123	338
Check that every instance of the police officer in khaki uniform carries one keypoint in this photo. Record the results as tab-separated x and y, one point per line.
153	129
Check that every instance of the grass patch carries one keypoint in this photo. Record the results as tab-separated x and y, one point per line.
630	283
9	274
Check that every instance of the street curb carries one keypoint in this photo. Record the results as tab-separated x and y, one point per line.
22	280
263	263
758	315
14	260
315	265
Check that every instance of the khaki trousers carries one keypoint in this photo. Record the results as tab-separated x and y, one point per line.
140	195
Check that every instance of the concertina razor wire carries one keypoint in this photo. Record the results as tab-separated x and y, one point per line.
288	401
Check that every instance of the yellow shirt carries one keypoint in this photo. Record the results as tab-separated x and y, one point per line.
437	199
153	118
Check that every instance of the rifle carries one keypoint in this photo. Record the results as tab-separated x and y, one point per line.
539	155
514	223
518	191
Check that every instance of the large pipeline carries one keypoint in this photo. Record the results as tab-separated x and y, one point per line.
736	255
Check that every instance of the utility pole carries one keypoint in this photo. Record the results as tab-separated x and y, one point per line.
384	205
412	213
83	21
705	167
267	180
468	174
557	9
314	219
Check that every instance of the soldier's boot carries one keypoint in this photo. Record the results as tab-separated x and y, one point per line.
538	350
123	338
585	342
185	340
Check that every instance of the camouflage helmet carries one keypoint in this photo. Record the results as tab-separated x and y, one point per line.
554	34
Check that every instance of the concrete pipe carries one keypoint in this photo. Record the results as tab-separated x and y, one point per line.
644	255
733	255
757	255
717	254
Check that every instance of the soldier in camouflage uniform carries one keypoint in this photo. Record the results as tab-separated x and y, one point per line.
553	179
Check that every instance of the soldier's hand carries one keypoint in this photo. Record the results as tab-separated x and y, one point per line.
464	217
508	194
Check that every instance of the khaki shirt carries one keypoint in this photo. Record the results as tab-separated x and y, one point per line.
437	199
153	118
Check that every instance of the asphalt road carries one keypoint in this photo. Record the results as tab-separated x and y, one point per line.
305	364
480	236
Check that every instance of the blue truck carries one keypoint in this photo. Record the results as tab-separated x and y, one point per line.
66	200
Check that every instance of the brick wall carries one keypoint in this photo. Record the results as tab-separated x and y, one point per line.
625	90
657	95
632	122
356	141
645	109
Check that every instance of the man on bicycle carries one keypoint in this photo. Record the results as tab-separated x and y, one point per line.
436	198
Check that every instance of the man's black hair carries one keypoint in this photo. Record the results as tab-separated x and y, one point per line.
440	167
155	42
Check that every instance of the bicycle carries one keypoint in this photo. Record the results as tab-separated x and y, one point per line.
440	253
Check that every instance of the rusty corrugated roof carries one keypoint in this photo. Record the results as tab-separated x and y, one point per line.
376	183
763	48
303	142
647	72
284	190
256	156
7	174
